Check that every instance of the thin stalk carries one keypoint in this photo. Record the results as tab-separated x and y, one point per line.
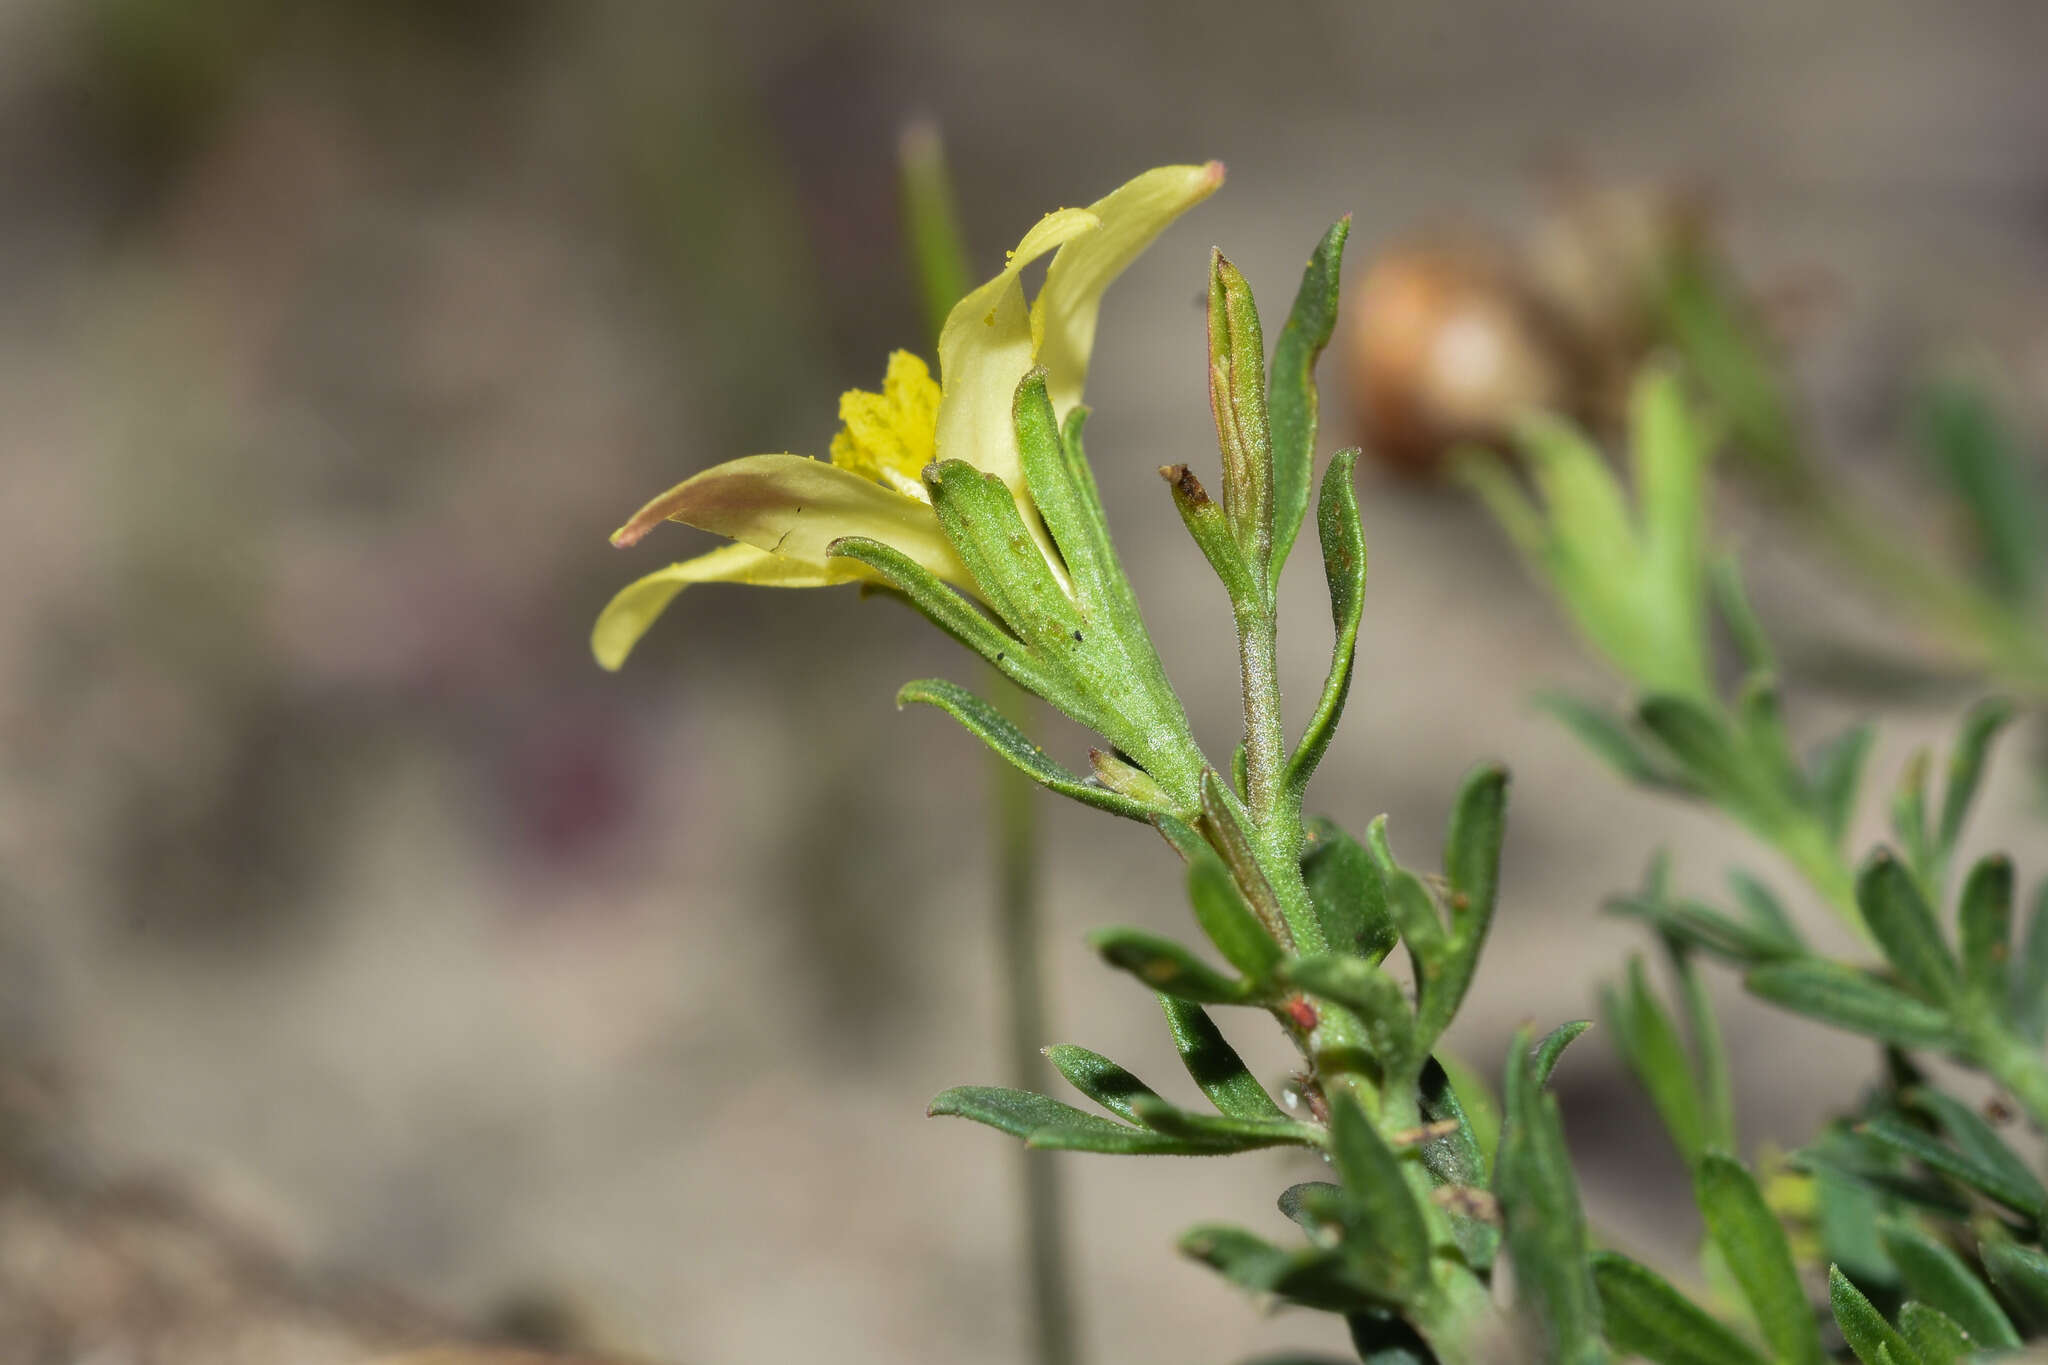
938	258
1022	973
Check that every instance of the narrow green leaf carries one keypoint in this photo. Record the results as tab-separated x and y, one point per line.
1394	1231
1169	968
1472	870
1221	822
2020	1274
1842	995
1650	1043
959	618
1242	1134
1997	1170
1754	1248
1765	910
1343	541
1210	529
1349	895
1863	1327
2015	1189
1544	1058
2029	1007
1314	1276
1909	817
981	719
1644	1316
1459	1157
1935	1336
1708	751
1966	767
1707	929
1752	644
1045	1122
1768	748
1100	1079
1221	910
1835	774
1984	927
1214	1063
1710	1053
1611	741
1412	907
1904	926
1937	1276
1291	401
1319	1208
1545	1225
1970	447
1237	395
1374	996
1384	1338
1847	1217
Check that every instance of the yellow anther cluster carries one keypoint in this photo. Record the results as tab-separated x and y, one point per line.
891	436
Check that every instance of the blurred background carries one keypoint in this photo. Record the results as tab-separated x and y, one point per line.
374	967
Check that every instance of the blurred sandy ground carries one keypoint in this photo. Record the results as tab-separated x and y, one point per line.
338	884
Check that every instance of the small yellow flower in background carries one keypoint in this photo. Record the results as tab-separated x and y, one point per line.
783	511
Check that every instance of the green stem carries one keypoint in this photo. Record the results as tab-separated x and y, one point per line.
1022	972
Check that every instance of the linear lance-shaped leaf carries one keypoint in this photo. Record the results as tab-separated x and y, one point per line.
1644	1316
1754	1248
1291	400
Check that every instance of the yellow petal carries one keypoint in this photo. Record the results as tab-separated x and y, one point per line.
1063	317
629	614
985	352
795	507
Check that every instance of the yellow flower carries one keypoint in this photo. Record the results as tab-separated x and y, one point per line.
783	511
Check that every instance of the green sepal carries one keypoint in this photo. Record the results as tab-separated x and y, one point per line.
1933	1334
1214	1063
1221	910
1904	926
1237	396
1611	739
1649	1041
1863	1327
2010	1184
1169	968
1754	1248
1042	1121
2020	1274
1369	992
959	618
981	719
1344	562
1392	1239
1937	1276
1291	402
1545	1225
1994	1168
1100	1079
1966	769
1834	774
1984	931
1644	1316
1841	995
1348	893
986	528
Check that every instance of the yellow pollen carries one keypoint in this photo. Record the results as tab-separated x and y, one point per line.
891	436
